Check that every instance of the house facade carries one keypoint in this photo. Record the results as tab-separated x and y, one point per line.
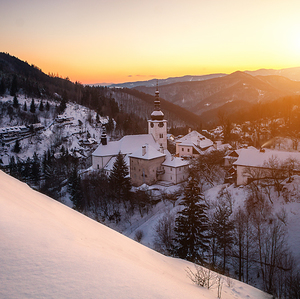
193	144
261	163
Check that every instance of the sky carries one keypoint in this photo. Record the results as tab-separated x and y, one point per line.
114	41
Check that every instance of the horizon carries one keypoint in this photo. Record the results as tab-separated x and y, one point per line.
115	42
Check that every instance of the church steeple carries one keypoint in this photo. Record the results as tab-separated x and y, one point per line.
157	125
157	114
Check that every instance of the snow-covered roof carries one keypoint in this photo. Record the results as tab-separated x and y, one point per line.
195	139
147	152
257	158
127	145
175	162
157	113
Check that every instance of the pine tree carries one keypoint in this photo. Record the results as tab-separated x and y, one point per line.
17	147
32	106
74	188
12	166
41	106
2	87
35	168
25	106
47	106
223	225
191	224
119	179
15	102
14	86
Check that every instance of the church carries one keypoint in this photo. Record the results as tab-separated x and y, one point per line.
146	155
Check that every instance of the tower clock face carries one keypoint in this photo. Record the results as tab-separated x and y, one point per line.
152	125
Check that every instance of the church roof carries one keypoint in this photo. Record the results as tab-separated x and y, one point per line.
127	145
147	152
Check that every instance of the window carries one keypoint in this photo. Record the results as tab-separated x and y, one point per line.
160	124
188	150
182	149
161	135
97	166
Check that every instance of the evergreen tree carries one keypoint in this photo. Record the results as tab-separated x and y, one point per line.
14	86
223	225
41	107
25	106
191	224
17	147
119	179
47	106
35	168
32	106
15	102
74	188
2	87
12	166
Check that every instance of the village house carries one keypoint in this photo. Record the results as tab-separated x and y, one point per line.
192	145
146	155
264	161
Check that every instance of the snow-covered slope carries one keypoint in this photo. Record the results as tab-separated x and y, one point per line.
48	250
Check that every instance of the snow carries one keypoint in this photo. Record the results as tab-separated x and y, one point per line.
127	145
147	152
44	139
256	158
175	162
195	138
48	250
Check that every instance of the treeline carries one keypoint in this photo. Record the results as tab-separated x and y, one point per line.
286	108
174	110
17	76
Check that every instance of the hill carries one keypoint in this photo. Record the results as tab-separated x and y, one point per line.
48	250
206	97
32	82
152	82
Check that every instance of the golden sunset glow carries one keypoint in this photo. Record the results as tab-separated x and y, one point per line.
116	41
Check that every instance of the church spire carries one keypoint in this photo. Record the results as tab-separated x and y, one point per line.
157	114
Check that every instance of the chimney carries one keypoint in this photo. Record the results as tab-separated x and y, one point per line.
161	149
190	130
103	136
144	150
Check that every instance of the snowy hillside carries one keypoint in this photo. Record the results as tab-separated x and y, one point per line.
48	250
71	129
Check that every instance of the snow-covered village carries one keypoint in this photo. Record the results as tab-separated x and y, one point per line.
161	211
149	149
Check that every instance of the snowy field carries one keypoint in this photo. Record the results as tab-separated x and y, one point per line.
48	250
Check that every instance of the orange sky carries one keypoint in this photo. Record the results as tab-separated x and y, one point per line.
97	41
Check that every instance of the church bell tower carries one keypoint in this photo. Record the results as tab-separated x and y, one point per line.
157	125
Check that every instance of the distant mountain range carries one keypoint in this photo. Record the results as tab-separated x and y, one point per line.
205	95
290	73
